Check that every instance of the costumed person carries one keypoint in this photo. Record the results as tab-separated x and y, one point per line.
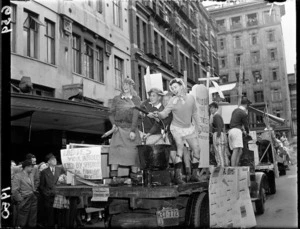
24	195
153	134
219	137
238	126
284	139
183	107
125	138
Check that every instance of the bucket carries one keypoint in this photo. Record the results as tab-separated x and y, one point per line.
154	157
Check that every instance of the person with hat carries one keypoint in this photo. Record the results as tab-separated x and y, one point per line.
35	174
184	110
219	136
24	194
49	178
126	136
238	126
152	134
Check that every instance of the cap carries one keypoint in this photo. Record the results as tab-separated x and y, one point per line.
49	156
245	100
26	163
155	90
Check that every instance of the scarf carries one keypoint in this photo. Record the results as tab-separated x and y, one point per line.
179	98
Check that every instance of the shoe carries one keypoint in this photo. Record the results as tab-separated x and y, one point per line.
195	177
178	177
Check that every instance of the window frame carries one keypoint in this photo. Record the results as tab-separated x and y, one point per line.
52	41
100	62
117	13
77	68
88	59
118	78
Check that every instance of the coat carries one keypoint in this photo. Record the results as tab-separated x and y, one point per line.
22	186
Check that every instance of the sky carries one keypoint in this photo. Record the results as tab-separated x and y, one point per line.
288	30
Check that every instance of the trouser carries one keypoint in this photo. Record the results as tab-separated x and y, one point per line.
221	149
27	211
49	210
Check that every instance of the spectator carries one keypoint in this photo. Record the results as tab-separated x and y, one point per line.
24	195
49	178
284	139
35	174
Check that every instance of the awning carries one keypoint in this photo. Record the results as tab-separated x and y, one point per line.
57	114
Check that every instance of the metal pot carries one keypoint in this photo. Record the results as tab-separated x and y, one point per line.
154	157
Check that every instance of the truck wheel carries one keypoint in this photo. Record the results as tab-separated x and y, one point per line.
272	184
260	203
199	211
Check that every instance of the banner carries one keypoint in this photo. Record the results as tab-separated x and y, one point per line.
84	162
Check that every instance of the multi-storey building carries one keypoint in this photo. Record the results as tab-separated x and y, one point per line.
67	48
250	42
171	37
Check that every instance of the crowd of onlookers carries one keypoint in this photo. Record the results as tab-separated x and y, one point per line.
34	201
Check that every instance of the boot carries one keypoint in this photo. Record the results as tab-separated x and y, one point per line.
178	174
114	174
172	172
195	177
188	174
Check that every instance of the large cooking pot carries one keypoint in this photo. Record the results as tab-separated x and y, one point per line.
154	157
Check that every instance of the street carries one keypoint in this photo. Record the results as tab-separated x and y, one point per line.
281	208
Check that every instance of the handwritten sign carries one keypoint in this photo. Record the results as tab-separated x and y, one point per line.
7	11
84	162
200	93
100	194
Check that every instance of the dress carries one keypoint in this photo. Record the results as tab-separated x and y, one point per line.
123	151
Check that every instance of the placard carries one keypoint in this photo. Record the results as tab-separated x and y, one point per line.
84	162
100	194
200	93
152	80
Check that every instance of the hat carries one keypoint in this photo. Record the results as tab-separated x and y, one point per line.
49	156
245	100
128	81
155	90
26	163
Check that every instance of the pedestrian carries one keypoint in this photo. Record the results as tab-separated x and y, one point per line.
24	195
125	138
35	174
41	216
219	137
183	107
238	126
49	178
152	133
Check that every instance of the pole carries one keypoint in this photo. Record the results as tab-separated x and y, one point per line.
240	85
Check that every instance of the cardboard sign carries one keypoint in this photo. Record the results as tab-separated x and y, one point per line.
200	94
100	194
152	80
84	162
230	202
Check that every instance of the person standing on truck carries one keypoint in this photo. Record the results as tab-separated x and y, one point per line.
125	138
219	136
238	126
153	134
183	108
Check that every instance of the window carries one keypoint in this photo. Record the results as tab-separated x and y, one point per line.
117	12
89	2
182	65
227	98
237	75
237	42
253	38
237	59
221	25
154	5
271	35
194	39
144	36
259	96
50	41
99	65
278	113
236	22
269	18
138	35
255	56
276	95
222	62
163	48
13	28
257	76
156	44
196	76
259	120
161	9
76	49
273	54
30	34
88	60
99	6
185	30
222	43
224	79
118	72
274	73
170	53
252	19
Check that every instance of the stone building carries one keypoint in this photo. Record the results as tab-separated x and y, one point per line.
250	42
171	37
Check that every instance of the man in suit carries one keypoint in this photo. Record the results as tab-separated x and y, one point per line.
49	178
24	195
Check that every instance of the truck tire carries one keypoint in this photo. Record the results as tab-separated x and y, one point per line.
260	203
272	183
199	211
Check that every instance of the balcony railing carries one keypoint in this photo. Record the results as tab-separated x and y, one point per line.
236	25
252	22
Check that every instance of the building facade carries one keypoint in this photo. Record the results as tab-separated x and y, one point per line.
250	42
171	37
293	97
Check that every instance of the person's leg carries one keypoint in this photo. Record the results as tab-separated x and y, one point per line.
194	145
32	217
114	173
178	160
240	152
187	162
23	212
235	153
